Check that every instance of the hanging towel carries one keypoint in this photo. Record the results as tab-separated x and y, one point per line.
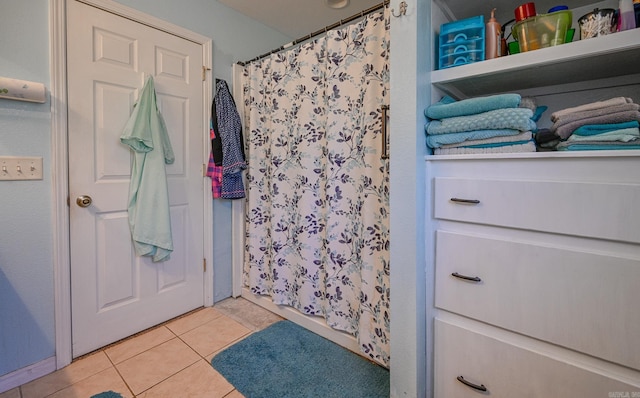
230	131
146	134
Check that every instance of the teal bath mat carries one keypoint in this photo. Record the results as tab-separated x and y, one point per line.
286	360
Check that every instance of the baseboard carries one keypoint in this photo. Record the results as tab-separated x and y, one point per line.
315	324
27	374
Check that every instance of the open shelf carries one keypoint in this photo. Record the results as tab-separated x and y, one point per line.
613	56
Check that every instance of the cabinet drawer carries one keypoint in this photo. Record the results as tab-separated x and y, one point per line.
509	370
608	211
580	300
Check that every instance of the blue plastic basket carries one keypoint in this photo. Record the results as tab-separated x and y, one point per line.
461	42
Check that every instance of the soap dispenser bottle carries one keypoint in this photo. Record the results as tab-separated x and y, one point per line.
492	37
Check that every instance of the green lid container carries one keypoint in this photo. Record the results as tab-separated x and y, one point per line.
543	30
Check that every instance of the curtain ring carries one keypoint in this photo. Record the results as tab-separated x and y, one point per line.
403	10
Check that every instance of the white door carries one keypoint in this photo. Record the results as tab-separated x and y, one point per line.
115	293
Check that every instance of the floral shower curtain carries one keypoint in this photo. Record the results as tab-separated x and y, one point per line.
318	189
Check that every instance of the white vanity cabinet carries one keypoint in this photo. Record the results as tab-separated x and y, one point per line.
535	257
537	274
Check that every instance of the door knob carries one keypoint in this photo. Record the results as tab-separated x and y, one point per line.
84	201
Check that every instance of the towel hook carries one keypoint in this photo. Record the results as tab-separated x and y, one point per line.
403	10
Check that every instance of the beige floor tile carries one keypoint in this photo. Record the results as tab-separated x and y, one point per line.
107	380
136	345
60	379
14	393
234	394
215	335
157	364
192	321
199	380
209	357
247	313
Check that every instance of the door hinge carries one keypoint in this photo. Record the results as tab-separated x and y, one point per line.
204	170
204	265
204	72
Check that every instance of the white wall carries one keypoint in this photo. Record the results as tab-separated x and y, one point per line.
410	92
26	271
26	265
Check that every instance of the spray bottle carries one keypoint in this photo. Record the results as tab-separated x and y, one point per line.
492	37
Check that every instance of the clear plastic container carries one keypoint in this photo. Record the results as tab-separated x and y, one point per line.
543	30
470	45
467	57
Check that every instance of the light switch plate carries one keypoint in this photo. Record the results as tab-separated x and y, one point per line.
20	168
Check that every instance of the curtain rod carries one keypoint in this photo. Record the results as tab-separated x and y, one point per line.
318	32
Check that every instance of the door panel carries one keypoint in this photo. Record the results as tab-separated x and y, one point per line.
114	292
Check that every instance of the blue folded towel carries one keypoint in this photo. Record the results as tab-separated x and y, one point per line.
622	135
595	147
498	144
438	140
449	107
511	118
594	129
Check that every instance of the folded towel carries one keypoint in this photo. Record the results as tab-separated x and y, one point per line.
595	129
591	106
449	107
622	135
526	147
528	102
593	113
519	136
544	135
597	145
565	131
496	144
510	118
548	146
439	140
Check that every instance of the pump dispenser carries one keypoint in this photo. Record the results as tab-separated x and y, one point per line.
492	37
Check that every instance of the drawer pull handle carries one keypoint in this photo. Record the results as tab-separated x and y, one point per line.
480	387
465	201
466	278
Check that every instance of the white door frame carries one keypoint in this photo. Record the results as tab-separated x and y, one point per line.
59	160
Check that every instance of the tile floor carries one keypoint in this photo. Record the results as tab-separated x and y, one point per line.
170	360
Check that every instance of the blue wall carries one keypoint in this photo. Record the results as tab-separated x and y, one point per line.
26	270
26	265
